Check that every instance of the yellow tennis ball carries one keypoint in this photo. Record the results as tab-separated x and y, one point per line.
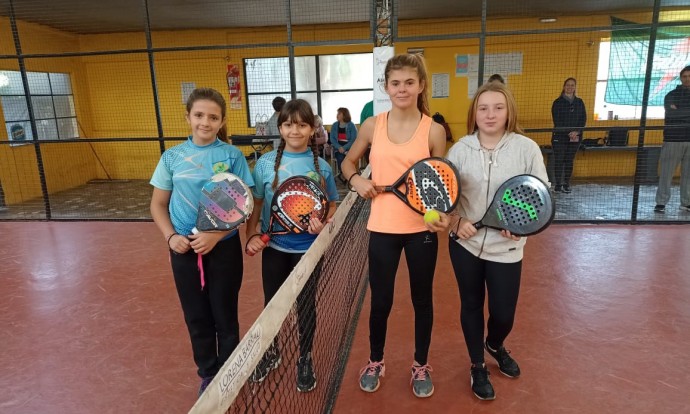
431	216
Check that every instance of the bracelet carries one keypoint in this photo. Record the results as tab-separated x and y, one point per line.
349	186
171	236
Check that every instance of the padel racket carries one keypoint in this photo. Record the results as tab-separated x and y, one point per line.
225	203
297	200
430	184
522	205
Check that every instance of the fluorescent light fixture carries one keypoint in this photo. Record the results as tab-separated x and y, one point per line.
416	50
548	20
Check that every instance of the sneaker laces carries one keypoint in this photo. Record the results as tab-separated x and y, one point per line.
502	353
420	372
372	368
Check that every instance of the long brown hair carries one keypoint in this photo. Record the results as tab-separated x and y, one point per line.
296	110
511	122
566	81
416	62
212	95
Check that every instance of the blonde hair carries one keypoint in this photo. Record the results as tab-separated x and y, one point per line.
416	62
511	122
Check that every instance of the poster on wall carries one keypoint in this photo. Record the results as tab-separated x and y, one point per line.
502	63
234	87
440	85
382	102
187	88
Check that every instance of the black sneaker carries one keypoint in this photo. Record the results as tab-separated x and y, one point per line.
204	384
506	364
558	188
269	362
306	379
479	380
685	208
566	189
659	208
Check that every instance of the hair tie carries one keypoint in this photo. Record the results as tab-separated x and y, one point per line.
171	236
349	186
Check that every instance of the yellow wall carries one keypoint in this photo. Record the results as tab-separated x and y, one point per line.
66	166
114	98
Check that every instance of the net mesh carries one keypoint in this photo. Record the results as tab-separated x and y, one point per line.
315	310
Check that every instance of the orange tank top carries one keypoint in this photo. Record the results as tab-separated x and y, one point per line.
388	162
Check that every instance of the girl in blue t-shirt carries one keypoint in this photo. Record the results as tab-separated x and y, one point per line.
297	155
207	267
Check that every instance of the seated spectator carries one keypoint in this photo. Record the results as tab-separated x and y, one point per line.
343	135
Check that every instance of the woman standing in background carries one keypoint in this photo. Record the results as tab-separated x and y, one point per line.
569	117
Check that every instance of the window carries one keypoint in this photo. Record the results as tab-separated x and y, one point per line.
52	101
608	110
327	82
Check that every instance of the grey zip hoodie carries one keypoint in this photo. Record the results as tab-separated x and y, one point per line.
481	173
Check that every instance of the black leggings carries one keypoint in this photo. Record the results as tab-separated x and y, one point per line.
276	266
563	159
211	313
475	277
384	257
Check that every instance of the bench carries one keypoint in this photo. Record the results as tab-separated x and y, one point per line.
649	160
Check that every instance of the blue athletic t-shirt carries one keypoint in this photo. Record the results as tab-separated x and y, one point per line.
291	164
185	168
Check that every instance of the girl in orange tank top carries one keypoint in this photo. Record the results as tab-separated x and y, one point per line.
398	139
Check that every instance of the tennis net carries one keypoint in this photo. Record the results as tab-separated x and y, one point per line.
313	315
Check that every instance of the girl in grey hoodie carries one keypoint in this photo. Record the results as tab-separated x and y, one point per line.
489	261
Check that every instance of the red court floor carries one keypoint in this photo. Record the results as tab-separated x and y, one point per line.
90	323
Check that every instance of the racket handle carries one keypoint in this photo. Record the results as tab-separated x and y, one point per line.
195	231
384	189
478	225
264	238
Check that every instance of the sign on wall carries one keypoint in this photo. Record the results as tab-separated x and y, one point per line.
382	102
234	87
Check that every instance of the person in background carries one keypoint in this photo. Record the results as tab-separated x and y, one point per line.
496	77
277	104
367	112
207	266
488	262
273	130
441	120
569	117
676	147
321	136
343	135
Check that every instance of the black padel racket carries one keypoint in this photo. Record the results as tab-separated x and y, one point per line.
522	205
225	203
295	202
430	184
